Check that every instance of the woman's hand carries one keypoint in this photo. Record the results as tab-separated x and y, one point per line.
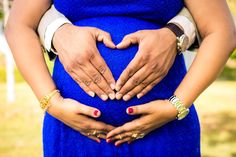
77	51
153	115
79	117
156	54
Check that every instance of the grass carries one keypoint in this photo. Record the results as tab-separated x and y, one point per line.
217	108
18	76
232	6
20	122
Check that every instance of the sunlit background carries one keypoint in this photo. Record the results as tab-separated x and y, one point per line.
21	117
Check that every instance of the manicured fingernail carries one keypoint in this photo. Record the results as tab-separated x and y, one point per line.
112	96
130	110
108	140
126	97
98	141
117	145
96	113
118	96
113	86
104	97
139	96
92	94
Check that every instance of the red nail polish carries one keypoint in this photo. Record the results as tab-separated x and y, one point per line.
130	110
108	140
117	145
96	112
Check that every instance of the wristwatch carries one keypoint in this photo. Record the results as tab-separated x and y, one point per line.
181	38
182	111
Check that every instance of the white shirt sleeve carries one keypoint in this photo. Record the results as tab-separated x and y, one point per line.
53	19
48	25
188	27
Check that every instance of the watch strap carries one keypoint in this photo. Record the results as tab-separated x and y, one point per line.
175	29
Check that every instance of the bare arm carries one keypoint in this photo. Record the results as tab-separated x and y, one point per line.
219	40
216	26
25	46
24	43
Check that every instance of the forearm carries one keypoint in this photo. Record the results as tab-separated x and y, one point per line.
218	32
29	58
209	61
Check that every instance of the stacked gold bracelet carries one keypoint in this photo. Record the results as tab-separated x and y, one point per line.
44	102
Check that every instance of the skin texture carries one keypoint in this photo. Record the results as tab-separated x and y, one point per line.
24	43
219	40
216	28
137	79
77	51
155	56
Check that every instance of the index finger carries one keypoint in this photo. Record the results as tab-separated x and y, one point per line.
98	62
130	70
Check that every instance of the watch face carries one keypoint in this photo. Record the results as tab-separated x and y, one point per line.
183	42
183	114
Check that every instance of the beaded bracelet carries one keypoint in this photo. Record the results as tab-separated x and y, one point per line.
44	102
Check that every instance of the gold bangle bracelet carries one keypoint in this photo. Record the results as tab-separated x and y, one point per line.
44	102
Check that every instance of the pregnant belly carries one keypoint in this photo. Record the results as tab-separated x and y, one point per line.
114	111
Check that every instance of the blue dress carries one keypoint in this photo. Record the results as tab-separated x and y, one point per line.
175	139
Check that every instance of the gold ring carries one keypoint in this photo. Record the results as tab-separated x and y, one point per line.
134	135
120	137
137	136
141	135
94	132
98	135
88	133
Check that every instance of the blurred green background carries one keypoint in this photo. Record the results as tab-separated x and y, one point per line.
21	121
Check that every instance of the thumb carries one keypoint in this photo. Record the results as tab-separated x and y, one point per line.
137	110
129	39
88	111
105	37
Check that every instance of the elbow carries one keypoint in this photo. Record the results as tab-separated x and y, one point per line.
12	30
9	29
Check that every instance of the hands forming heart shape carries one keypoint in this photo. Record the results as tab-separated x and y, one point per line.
83	62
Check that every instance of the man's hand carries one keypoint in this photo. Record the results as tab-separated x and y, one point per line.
156	55
77	51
